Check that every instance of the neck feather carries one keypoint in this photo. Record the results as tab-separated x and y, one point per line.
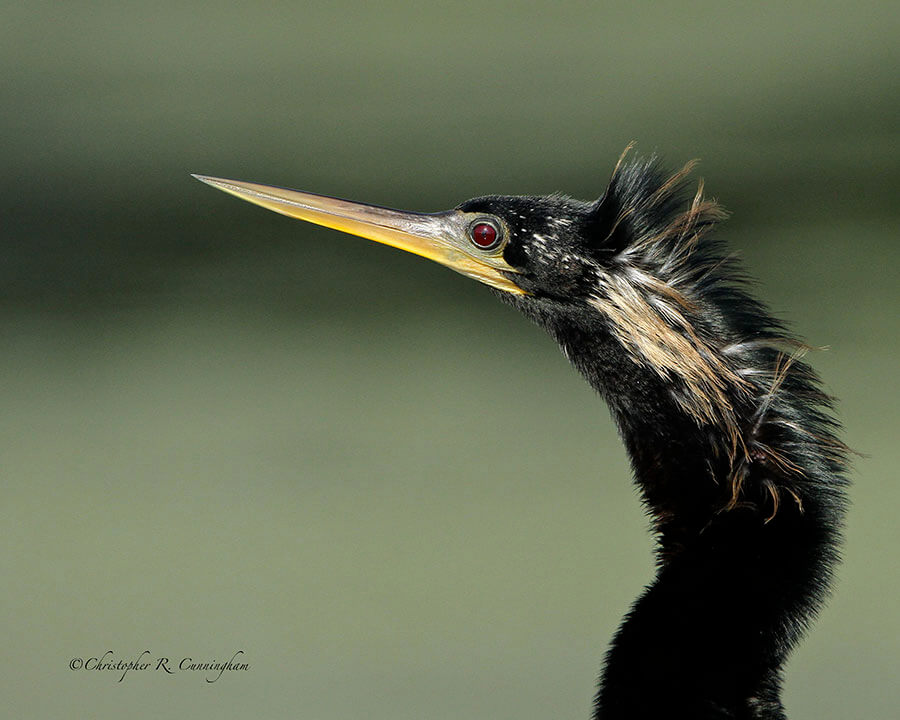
747	508
733	449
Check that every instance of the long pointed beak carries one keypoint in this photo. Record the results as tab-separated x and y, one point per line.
442	237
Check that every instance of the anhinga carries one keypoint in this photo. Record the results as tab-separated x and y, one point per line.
729	433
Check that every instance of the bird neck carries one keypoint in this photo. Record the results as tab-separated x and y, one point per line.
680	466
745	541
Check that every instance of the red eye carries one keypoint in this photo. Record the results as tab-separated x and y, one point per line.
484	235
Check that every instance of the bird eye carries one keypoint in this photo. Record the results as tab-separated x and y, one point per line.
484	235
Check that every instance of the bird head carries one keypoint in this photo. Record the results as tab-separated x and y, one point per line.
536	248
631	266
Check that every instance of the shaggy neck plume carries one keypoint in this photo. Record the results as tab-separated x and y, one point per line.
732	448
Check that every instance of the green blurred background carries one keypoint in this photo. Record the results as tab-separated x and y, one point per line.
224	430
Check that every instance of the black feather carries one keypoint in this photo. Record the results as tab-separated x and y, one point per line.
731	438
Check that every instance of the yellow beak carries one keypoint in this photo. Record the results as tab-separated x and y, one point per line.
442	237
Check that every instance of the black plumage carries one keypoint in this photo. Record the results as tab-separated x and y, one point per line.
729	434
731	438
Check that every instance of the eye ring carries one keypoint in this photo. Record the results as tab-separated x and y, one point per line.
485	234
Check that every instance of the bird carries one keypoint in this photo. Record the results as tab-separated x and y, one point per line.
733	443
